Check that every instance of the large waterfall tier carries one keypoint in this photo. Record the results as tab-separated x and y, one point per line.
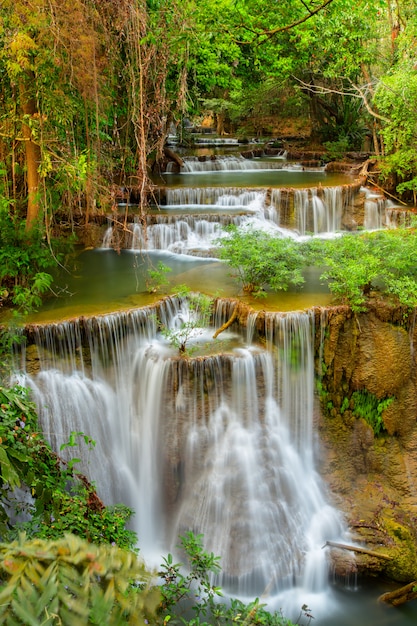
221	445
191	218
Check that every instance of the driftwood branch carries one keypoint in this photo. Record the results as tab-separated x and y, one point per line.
401	595
226	324
387	193
345	546
173	156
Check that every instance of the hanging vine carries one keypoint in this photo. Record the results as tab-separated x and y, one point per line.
155	86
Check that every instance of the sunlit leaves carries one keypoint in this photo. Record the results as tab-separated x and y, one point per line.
71	581
384	260
351	269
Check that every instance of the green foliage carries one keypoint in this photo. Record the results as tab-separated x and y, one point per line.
72	581
63	499
29	299
196	316
350	278
353	265
261	260
183	593
157	278
367	406
356	264
345	405
397	251
23	259
395	99
346	128
335	150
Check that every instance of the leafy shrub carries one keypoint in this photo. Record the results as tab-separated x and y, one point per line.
157	278
261	260
62	499
196	316
355	264
350	268
335	150
23	261
194	592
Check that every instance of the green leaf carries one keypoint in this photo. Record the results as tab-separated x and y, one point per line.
8	472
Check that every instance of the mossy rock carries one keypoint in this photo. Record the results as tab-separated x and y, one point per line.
403	566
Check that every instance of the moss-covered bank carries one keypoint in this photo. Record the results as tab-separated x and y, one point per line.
367	378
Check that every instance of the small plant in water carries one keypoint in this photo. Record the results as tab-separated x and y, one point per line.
190	323
157	278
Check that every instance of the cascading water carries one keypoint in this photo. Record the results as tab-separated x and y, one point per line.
217	197
229	164
222	445
374	214
318	214
213	208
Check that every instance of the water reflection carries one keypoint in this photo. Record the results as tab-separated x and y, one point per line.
254	178
104	281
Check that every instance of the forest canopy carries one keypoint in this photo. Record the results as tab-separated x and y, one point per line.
90	90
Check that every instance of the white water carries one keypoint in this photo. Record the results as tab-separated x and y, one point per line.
216	196
316	214
374	214
222	445
213	208
228	164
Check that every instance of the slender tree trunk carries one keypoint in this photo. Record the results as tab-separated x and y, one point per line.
33	154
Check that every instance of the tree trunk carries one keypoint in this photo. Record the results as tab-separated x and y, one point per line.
220	117
33	153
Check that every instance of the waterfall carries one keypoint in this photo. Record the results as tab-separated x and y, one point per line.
226	164
187	234
194	217
318	214
222	445
333	200
230	197
396	217
301	209
374	214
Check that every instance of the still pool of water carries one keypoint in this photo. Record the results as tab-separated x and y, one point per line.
257	178
359	606
104	281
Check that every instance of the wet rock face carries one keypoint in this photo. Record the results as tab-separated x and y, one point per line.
373	476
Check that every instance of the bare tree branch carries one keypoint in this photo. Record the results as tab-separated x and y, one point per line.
320	90
368	106
281	29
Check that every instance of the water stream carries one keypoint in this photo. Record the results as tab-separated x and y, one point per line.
223	443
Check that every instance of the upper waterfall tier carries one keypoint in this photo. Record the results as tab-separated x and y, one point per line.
192	218
233	163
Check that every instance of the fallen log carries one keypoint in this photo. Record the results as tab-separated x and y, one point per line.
401	595
345	546
173	156
226	324
373	183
